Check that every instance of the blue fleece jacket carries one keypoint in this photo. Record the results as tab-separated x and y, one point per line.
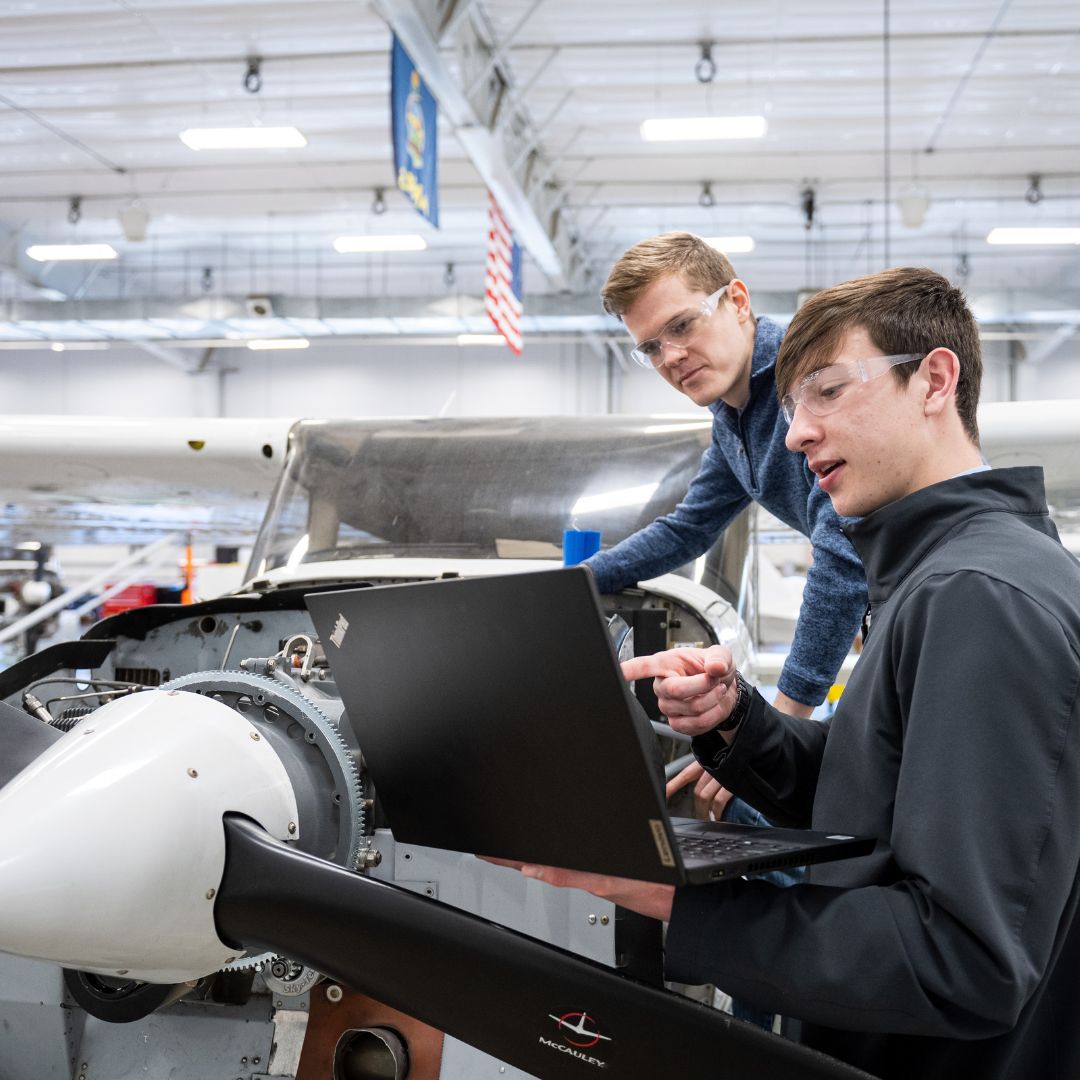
748	462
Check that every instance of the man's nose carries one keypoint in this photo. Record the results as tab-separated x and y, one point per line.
671	352
800	431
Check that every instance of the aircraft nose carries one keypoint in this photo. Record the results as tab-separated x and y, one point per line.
113	839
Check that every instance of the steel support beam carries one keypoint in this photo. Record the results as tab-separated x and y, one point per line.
490	148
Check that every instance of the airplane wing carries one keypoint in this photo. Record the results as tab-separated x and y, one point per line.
91	478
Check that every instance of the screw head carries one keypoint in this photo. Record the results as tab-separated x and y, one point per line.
211	893
592	920
254	736
334	993
292	826
192	773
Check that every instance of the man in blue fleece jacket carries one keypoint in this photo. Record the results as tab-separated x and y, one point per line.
692	319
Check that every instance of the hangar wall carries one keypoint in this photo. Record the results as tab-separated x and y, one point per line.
395	379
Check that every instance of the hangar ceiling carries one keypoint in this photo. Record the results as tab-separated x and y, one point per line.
964	109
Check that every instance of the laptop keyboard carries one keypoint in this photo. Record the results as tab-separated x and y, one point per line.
714	847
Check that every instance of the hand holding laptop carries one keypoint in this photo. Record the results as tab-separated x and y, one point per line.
644	897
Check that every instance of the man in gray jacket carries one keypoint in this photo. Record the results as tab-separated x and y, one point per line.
952	950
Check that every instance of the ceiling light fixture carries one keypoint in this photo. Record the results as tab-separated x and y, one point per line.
731	245
242	138
75	210
1045	235
481	339
134	219
699	128
350	245
70	252
1034	193
264	344
706	199
378	204
913	204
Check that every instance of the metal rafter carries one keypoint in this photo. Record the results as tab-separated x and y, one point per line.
497	144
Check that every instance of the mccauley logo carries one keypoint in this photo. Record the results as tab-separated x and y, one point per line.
579	1032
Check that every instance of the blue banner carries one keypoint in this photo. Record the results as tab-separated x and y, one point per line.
414	126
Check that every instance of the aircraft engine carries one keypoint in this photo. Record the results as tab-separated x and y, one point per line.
129	804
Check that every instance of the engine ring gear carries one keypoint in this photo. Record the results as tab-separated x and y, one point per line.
244	690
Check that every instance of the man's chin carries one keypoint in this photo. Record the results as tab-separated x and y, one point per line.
701	391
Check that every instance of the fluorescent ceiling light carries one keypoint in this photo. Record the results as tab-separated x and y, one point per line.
70	252
731	245
1034	236
243	138
278	343
609	500
696	128
348	245
481	339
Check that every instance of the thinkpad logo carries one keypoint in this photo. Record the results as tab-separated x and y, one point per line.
577	1032
338	636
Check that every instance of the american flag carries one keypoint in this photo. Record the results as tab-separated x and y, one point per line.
502	278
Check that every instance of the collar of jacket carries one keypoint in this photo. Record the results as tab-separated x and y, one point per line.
767	338
893	540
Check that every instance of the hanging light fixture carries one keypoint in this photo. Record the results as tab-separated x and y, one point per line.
134	219
913	203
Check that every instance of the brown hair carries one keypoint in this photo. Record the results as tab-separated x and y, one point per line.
698	264
904	310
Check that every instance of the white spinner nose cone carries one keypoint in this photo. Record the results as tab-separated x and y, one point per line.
111	842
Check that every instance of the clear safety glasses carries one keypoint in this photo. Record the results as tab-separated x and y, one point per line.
823	391
678	333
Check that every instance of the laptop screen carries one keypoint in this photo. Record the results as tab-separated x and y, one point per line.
494	719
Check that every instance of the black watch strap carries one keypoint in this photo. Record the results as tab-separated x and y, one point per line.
741	708
711	748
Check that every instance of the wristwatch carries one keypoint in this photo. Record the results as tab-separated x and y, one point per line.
711	747
741	708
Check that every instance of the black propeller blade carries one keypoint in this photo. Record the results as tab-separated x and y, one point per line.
535	1006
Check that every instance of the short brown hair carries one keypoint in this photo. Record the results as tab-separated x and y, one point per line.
904	310
698	264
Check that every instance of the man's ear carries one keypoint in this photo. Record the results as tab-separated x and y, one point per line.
739	295
941	371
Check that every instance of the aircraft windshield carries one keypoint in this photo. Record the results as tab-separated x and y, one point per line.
474	489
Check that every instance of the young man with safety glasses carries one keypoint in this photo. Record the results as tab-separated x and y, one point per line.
692	321
952	950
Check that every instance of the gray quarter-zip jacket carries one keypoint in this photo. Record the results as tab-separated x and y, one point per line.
954	949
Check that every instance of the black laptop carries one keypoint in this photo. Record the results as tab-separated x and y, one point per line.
494	719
